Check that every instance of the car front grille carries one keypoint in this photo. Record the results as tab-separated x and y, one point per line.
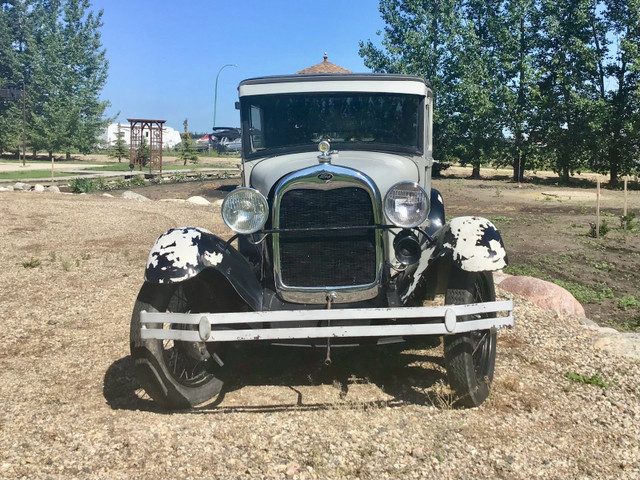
338	258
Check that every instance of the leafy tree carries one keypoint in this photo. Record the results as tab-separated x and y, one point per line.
69	71
518	40
187	151
478	87
13	38
119	148
567	57
416	40
615	142
453	44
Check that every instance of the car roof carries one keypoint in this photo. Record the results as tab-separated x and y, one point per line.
336	82
334	77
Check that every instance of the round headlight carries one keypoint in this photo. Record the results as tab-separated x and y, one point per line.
406	204
245	210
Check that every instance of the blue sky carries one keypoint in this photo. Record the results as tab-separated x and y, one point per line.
164	55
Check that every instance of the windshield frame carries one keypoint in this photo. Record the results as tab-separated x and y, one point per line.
249	153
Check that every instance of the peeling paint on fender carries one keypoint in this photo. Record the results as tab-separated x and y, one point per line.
476	244
176	255
473	244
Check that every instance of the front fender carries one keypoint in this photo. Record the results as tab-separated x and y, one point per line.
472	244
182	253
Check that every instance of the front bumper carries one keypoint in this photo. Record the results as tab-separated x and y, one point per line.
387	322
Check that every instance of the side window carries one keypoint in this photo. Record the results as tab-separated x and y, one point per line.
255	128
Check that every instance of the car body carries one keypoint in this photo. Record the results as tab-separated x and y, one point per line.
219	139
340	239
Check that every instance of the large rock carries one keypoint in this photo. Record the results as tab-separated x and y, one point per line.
544	294
626	344
38	188
134	196
198	200
52	189
22	186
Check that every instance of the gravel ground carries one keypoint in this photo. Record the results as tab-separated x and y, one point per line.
72	266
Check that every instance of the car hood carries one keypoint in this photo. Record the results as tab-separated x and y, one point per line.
383	168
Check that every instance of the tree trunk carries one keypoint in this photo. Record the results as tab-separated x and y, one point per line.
68	156
476	170
519	167
51	156
613	174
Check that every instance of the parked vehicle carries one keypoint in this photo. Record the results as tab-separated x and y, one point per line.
219	139
340	238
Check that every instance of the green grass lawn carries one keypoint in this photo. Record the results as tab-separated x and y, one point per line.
22	174
124	167
42	162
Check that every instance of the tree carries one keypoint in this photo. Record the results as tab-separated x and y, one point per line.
119	148
478	87
187	150
517	54
567	57
416	40
69	71
13	37
143	153
452	44
616	135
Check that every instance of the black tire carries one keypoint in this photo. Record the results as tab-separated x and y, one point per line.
176	374
470	357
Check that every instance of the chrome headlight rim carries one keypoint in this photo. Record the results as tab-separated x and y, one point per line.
424	215
261	201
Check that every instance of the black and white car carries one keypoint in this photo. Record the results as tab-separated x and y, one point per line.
339	240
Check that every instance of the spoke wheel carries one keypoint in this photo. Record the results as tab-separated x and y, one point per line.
470	357
175	374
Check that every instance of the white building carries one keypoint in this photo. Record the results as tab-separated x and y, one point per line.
170	137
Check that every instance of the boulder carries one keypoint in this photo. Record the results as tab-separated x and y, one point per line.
198	200
6	189
38	188
544	294
134	196
52	189
20	186
625	344
499	276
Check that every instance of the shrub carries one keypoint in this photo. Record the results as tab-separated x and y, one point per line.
137	181
82	185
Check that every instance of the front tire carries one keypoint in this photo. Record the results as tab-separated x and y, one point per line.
175	374
470	357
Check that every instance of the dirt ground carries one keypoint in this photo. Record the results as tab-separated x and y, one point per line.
71	408
545	227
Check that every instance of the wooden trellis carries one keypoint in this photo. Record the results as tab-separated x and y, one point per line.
149	131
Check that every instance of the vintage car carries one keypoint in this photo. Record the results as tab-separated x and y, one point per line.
339	241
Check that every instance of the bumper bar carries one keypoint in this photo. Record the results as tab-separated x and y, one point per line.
231	327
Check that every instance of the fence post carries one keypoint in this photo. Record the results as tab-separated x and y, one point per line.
598	208
626	179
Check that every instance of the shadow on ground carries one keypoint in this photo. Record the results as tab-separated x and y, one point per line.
406	375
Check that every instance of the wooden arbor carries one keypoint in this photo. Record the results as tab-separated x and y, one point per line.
146	134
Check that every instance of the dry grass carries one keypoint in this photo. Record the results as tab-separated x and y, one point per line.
72	408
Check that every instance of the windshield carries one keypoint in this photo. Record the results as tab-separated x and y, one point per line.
297	122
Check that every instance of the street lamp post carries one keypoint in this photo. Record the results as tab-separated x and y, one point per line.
215	99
